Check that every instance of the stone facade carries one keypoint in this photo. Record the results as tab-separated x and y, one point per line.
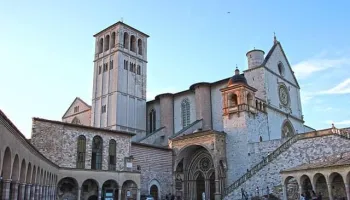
58	142
155	165
303	151
78	112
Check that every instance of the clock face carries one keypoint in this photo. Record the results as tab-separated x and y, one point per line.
284	96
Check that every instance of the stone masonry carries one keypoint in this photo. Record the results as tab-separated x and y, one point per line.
58	142
303	151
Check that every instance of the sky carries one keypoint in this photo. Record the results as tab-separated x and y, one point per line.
47	49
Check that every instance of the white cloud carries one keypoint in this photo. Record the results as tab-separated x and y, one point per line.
305	68
344	122
341	88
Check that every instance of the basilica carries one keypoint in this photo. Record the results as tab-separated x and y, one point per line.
238	137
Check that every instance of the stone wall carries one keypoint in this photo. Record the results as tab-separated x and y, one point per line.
58	142
303	151
258	150
156	167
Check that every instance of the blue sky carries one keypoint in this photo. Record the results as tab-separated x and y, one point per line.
47	49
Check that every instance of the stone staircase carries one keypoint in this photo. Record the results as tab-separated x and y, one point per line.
344	133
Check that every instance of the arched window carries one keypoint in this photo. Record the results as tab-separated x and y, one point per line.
139	44
81	149
233	100
100	46
96	160
280	68
113	40
185	112
133	43
112	155
152	121
107	43
75	120
249	99
287	129
126	40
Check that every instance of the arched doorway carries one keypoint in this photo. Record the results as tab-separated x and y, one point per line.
154	192
67	189
89	189
292	188
306	186
321	185
200	186
195	168
110	190
338	186
129	190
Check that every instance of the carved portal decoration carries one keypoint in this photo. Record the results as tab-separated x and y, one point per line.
205	164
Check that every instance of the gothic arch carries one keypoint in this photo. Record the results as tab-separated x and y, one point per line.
287	129
181	151
156	183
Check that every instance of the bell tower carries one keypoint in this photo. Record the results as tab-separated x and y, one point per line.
241	113
119	83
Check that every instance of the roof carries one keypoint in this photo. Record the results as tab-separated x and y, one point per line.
122	23
199	133
331	161
270	53
19	133
76	99
151	146
225	80
84	127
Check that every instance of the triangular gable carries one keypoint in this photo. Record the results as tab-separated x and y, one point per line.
83	106
271	63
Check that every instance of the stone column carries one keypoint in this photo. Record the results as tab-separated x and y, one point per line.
79	193
14	190
6	184
22	189
329	187
217	185
285	195
32	192
119	193
300	190
138	193
99	193
347	191
27	193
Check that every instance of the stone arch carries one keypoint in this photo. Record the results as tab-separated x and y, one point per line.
33	175
67	188
129	187
29	173
156	183
89	189
292	187
22	177
126	40
113	40
139	45
320	183
100	45
15	169
250	99
133	43
106	44
6	164
337	186
193	146
97	151
306	185
287	129
233	100
111	188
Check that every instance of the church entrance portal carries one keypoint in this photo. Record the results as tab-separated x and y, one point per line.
154	192
195	174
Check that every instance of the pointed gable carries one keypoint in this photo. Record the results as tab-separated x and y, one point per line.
276	62
82	106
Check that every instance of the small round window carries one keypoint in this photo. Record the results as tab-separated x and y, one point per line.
281	68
